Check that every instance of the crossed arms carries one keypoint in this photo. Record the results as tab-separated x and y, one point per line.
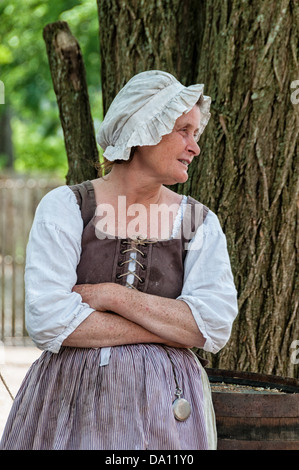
137	318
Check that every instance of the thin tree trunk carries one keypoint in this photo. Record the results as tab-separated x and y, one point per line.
68	76
246	54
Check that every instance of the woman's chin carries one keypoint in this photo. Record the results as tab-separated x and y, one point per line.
182	178
178	180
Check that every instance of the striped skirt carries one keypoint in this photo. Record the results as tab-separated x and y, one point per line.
68	402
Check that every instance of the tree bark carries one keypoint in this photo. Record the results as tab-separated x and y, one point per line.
246	54
68	76
136	36
248	172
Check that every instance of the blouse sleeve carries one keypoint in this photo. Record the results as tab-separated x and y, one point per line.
208	286
52	310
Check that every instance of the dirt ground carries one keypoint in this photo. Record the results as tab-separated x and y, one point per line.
14	364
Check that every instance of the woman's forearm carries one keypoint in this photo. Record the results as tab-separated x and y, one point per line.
170	318
103	329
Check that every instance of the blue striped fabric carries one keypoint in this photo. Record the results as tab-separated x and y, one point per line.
68	402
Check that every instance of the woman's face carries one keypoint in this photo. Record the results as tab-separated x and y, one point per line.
168	161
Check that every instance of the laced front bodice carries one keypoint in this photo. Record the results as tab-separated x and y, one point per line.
152	266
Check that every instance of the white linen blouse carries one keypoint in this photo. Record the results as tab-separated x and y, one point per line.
53	311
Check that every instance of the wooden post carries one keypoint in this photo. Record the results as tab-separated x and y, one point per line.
69	81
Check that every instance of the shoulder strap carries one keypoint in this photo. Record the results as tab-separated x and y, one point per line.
194	217
204	210
85	196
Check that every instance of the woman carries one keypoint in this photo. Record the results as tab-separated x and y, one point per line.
123	277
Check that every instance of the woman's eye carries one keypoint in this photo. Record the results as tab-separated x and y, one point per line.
185	132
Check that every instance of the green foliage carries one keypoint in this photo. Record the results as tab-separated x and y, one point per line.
24	70
38	152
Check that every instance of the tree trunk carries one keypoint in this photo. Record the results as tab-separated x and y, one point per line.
248	172
68	76
137	36
245	53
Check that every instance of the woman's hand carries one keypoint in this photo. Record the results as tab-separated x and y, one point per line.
95	295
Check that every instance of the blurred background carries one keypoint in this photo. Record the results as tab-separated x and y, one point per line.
32	152
31	139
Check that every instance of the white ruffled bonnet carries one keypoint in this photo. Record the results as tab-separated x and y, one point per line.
145	109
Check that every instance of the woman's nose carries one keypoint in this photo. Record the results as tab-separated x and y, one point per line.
193	147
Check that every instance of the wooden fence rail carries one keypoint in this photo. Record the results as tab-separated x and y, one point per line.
19	198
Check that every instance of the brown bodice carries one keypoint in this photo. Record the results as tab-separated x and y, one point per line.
159	264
